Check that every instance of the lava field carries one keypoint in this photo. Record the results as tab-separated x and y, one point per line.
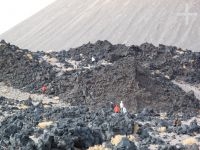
86	80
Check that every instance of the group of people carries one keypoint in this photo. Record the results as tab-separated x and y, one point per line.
117	108
120	108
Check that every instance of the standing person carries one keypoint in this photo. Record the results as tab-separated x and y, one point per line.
44	89
93	59
124	110
121	106
117	109
112	105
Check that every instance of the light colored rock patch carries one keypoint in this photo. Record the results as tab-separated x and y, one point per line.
16	94
187	87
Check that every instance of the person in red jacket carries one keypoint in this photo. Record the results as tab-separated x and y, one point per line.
117	109
44	89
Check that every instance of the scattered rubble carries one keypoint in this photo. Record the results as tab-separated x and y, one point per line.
37	127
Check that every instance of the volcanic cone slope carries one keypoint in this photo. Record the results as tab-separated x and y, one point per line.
66	24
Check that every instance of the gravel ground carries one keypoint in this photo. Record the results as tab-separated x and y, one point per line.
16	94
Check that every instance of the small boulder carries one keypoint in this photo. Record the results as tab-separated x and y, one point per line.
189	141
126	144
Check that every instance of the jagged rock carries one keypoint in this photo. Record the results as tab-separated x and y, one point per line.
192	147
126	144
194	127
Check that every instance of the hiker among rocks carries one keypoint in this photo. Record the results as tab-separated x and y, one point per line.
112	105
117	109
124	110
93	59
44	89
29	98
177	122
121	105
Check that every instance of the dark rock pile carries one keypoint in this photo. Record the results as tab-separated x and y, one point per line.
22	68
136	75
172	61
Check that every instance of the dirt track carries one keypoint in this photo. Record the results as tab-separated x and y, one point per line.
16	94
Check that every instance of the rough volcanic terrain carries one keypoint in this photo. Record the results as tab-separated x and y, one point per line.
83	82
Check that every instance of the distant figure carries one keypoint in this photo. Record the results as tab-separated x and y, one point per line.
44	89
121	105
112	106
93	59
117	109
124	110
177	122
75	65
29	98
